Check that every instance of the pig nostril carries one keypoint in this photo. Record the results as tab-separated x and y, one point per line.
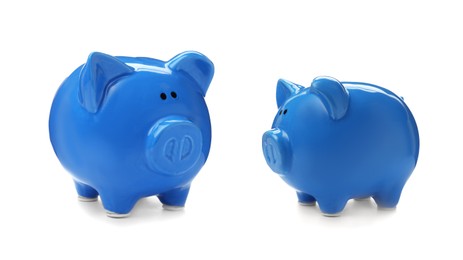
286	111
169	149
270	154
280	112
173	94
163	96
187	147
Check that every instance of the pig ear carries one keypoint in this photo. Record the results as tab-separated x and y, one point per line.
95	77
285	90
196	66
333	95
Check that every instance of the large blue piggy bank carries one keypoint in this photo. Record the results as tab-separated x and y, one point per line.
128	128
335	141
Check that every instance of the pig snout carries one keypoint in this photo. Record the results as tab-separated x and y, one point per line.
275	145
174	145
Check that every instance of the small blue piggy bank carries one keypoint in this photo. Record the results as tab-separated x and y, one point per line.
128	128
335	141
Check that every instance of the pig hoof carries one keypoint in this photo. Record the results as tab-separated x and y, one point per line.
85	199
116	215
362	199
332	214
172	208
311	203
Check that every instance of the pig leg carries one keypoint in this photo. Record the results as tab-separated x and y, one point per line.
174	199
388	198
332	207
85	192
305	199
117	205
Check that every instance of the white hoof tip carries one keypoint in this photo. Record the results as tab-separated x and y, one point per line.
116	215
332	214
306	203
362	199
172	208
85	199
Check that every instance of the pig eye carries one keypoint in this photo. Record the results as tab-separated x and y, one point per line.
163	96
173	94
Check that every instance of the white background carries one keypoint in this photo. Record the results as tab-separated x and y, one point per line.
237	206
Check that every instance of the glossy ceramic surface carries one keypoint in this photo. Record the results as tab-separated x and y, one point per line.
335	141
127	128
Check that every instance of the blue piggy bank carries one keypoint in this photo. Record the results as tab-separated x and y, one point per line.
128	128
335	141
